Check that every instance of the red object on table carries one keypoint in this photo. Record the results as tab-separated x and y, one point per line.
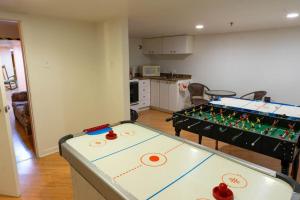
222	192
111	135
96	128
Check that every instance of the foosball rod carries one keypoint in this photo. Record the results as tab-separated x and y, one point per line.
195	124
181	121
275	149
253	143
237	136
194	110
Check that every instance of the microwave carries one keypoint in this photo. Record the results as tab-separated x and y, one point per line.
150	70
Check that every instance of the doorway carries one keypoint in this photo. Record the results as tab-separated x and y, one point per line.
13	70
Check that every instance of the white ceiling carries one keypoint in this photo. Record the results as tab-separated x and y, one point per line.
169	17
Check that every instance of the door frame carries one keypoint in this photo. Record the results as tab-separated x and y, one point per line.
26	73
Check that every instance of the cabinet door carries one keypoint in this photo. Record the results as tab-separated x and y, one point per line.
152	46
154	93
164	95
173	96
144	93
177	45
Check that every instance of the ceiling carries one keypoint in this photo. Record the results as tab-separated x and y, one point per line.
169	17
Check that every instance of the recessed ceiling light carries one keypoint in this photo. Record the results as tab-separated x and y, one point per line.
199	26
292	15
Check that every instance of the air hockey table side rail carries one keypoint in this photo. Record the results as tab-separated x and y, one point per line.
109	190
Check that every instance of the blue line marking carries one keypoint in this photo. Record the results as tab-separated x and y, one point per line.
101	131
125	148
180	177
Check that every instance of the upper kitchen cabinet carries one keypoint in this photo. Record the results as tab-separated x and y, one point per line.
178	45
152	46
168	45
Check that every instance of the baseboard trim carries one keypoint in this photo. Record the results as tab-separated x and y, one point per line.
161	109
48	151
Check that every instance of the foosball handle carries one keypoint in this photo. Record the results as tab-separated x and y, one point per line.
169	119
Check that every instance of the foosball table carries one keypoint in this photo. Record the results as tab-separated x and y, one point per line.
276	136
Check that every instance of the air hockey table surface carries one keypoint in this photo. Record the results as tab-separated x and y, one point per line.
144	163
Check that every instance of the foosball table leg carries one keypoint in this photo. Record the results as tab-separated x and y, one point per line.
177	132
295	165
200	139
285	165
217	145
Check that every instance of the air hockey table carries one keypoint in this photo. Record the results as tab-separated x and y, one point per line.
144	163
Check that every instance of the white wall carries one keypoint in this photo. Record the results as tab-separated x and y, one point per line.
66	88
112	37
244	62
136	56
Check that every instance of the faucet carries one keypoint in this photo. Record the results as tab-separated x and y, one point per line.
172	74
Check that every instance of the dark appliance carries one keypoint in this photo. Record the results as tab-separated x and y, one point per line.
134	92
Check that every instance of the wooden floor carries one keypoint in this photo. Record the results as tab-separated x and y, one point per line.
23	144
49	178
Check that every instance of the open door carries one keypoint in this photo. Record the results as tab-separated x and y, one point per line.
9	182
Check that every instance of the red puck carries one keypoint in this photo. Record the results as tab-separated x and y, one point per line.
111	135
222	192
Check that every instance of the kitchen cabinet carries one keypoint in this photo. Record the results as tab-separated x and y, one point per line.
144	93
154	93
173	97
168	45
152	46
164	95
178	45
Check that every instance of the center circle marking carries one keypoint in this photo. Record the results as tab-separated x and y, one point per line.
153	159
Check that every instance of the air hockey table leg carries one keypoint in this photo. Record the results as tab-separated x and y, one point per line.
285	165
177	132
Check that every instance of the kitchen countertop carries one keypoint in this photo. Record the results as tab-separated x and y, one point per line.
166	77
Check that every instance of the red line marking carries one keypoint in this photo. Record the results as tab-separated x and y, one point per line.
173	148
234	180
127	172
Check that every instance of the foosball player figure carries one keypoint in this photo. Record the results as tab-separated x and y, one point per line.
286	133
266	131
252	125
229	117
237	123
243	125
275	122
247	118
258	122
291	127
222	192
200	112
